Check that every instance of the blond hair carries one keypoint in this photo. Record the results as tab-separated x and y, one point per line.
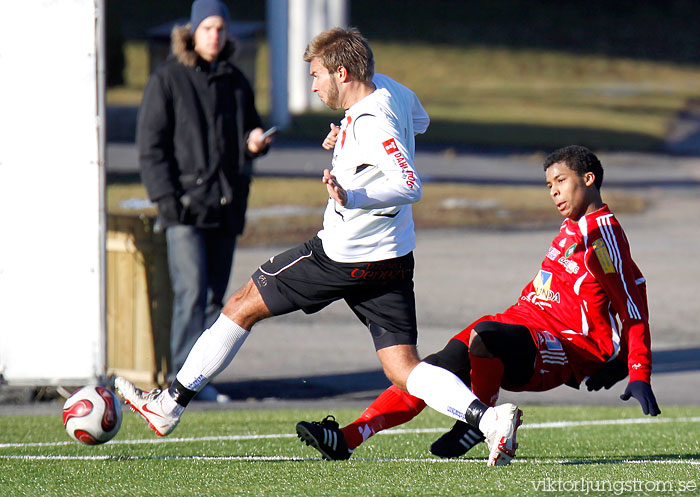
338	47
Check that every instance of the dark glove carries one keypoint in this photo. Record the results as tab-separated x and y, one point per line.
641	390
607	376
169	209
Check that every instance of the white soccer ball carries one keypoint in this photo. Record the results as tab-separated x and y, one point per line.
92	415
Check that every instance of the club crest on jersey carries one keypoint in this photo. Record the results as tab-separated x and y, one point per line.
390	146
570	251
601	251
543	284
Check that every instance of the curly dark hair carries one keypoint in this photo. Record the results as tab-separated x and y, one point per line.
579	159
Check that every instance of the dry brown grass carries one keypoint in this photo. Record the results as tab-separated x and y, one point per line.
442	206
284	211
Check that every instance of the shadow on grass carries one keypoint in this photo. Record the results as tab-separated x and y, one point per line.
308	387
367	383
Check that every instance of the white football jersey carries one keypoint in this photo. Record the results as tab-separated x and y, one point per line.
373	161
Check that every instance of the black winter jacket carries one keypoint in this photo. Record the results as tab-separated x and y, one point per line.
192	133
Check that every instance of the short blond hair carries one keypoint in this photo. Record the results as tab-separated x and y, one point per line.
338	47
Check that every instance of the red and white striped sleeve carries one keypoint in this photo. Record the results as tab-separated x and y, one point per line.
610	262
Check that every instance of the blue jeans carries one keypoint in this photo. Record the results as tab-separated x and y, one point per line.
200	264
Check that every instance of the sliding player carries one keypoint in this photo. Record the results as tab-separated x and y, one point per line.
584	315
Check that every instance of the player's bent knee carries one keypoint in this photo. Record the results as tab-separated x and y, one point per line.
477	347
246	307
398	361
454	357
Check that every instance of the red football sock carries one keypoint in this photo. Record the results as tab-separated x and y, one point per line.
392	408
486	376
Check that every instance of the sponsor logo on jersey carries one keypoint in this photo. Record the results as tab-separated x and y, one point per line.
543	284
400	160
570	251
390	146
571	266
553	253
562	242
601	251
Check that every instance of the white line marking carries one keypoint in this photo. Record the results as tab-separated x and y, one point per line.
393	431
522	460
218	438
562	424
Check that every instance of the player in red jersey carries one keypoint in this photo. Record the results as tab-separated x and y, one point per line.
584	317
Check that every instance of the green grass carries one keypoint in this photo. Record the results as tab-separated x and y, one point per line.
502	96
665	451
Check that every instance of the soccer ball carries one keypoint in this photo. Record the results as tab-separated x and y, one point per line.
92	415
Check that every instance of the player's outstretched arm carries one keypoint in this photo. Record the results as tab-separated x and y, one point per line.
641	390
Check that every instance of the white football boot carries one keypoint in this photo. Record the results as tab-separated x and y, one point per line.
150	406
500	436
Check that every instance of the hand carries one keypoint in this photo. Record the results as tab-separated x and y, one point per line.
169	209
256	143
609	374
336	191
329	142
641	390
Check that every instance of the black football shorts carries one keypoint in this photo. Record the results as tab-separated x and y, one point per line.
379	293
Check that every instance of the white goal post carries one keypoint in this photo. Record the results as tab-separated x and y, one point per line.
52	177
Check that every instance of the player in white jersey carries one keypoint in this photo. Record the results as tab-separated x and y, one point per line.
373	161
363	254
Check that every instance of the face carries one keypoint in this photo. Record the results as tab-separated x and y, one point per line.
573	195
324	84
210	37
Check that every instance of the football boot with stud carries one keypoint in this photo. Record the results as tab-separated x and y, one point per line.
150	405
325	436
500	436
457	442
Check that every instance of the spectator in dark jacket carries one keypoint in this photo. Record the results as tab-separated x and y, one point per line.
197	134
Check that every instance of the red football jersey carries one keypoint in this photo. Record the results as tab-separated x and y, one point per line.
591	294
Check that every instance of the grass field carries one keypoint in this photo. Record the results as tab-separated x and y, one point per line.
499	96
563	451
